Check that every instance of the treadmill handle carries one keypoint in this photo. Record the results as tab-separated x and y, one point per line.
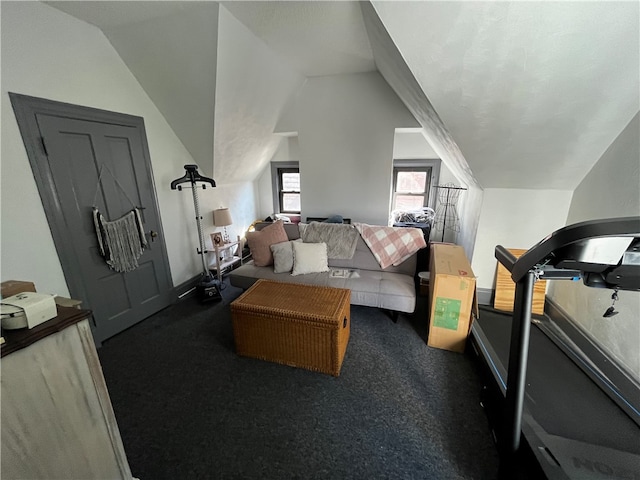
505	257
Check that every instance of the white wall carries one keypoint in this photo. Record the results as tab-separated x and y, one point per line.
515	218
252	85
610	189
46	53
411	143
288	151
446	176
345	128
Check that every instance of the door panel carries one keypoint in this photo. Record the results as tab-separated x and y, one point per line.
148	282
117	302
93	162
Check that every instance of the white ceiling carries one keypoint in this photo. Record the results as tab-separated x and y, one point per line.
532	92
318	38
171	49
108	14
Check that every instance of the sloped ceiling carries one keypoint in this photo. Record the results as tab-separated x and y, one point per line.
171	48
317	38
532	93
399	76
252	86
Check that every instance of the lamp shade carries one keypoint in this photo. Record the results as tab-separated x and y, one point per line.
222	217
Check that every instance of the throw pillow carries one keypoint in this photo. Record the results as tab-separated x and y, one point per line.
260	243
309	258
283	256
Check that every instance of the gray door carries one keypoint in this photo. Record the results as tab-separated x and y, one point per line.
89	162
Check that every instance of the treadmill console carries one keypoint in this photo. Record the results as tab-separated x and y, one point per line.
604	253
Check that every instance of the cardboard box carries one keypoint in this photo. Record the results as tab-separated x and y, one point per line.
506	289
452	297
14	287
68	302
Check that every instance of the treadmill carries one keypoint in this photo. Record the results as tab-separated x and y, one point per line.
554	412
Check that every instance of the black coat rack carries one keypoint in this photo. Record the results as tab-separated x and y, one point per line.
206	286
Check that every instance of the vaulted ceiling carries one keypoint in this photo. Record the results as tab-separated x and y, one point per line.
530	94
317	38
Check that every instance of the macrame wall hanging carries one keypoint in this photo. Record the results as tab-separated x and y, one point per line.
122	241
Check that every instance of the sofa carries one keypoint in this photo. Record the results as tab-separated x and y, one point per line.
392	288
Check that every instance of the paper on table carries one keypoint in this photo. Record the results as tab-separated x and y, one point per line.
343	273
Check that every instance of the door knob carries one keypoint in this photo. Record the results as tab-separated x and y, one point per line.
153	235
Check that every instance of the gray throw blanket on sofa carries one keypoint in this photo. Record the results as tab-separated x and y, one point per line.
341	239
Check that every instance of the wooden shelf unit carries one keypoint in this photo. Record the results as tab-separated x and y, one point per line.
224	259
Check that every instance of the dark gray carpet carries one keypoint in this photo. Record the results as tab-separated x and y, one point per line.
189	407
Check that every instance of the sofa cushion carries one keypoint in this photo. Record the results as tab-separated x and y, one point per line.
292	230
364	259
392	291
260	242
341	239
309	258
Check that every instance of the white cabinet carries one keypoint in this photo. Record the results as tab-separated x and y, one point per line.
57	419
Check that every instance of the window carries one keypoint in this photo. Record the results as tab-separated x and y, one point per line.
285	178
413	182
289	191
411	187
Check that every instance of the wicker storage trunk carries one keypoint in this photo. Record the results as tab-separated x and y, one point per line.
298	325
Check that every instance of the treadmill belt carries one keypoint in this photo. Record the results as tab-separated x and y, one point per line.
560	397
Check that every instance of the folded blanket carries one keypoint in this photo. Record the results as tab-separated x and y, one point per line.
341	239
391	245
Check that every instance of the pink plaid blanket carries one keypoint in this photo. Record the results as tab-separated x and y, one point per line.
391	245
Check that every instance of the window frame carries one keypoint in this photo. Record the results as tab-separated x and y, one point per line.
277	169
430	166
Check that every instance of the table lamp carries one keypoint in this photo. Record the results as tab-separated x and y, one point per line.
222	218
